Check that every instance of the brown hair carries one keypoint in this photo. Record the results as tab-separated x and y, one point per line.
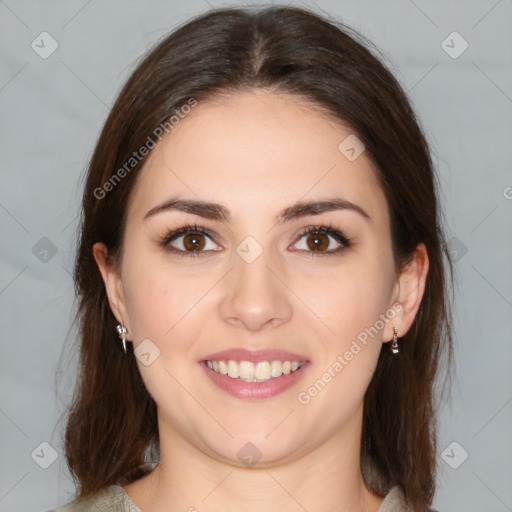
112	420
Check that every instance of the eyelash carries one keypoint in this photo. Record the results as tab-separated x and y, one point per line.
339	236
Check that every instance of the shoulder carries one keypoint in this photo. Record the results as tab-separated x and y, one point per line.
394	501
111	499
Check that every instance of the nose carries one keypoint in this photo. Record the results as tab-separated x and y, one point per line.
255	298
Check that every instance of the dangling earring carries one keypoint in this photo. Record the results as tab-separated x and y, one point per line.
394	344
121	331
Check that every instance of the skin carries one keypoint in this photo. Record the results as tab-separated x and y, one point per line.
257	153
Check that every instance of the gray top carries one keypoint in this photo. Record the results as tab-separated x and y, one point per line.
115	499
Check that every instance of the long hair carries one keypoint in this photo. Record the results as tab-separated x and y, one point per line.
112	420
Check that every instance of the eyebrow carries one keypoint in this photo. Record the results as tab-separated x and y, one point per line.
215	211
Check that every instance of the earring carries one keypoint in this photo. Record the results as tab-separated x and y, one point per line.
121	331
394	344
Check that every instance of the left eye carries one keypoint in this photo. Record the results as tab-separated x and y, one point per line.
322	240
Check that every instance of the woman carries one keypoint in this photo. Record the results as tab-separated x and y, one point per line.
263	299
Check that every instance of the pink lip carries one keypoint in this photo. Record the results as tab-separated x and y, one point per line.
254	390
255	356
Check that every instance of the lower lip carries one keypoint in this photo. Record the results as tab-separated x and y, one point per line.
254	390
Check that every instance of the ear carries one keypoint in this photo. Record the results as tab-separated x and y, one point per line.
113	285
409	290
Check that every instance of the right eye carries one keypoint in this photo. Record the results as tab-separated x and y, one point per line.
191	241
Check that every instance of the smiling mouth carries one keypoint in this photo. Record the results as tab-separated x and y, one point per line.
247	371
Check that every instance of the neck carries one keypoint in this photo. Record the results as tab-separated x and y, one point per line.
326	478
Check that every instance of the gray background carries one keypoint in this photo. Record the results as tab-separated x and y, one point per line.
51	112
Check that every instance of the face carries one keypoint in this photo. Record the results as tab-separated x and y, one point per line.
256	278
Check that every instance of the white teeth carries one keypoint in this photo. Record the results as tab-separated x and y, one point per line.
276	368
262	371
233	370
223	367
250	372
246	369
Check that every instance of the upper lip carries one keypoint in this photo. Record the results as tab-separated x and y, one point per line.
254	356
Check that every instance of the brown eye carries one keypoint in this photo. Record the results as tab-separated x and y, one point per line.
318	241
322	240
194	242
190	241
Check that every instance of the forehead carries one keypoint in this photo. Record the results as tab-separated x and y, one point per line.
253	151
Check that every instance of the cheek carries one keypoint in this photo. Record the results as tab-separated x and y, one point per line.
351	305
351	298
160	303
170	310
